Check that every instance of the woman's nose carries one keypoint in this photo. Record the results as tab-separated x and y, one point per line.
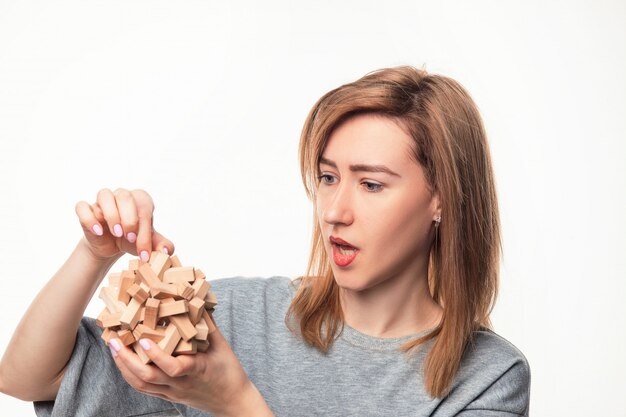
337	206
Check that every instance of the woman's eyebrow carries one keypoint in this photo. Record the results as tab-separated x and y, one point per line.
360	167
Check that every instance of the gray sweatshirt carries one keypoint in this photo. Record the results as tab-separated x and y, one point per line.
360	376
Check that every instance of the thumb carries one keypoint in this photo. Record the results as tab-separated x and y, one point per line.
161	243
216	339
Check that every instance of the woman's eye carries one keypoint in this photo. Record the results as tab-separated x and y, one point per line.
372	186
326	178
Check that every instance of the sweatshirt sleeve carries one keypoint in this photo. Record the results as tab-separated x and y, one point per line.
507	396
93	386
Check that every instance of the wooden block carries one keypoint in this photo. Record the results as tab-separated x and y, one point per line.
137	293
141	353
175	261
134	264
126	337
210	301
209	321
112	292
203	330
144	332
152	312
148	276
127	279
201	288
107	335
179	274
171	339
186	329
164	291
130	316
169	309
159	262
114	279
198	274
202	345
111	302
196	306
106	319
186	347
185	290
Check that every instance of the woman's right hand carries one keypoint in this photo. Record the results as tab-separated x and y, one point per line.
121	222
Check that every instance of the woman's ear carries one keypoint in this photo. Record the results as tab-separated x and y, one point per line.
435	206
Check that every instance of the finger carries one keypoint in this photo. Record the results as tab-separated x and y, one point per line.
174	367
106	201
137	382
140	385
140	373
128	213
145	208
162	244
97	211
87	218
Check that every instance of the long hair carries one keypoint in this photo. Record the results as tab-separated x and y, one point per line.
450	144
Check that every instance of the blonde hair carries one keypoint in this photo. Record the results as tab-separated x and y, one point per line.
451	146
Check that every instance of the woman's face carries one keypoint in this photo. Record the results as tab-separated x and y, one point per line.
374	197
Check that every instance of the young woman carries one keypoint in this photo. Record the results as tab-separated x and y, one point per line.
391	318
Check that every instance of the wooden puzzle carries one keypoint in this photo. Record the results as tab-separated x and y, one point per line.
160	300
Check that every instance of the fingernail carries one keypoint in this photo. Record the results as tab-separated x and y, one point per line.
117	230
132	237
113	352
97	229
167	252
115	346
145	256
144	344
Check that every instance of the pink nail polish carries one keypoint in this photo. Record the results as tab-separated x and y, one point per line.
117	230
97	229
115	345
166	251
144	344
145	256
132	237
113	352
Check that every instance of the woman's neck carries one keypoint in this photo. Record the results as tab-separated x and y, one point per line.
394	308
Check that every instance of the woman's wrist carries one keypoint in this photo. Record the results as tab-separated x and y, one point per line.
249	404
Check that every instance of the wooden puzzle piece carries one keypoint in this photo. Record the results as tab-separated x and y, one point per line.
160	300
179	274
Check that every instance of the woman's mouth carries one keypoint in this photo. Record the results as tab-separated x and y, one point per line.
343	252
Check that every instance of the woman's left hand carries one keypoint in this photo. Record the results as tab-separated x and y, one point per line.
212	381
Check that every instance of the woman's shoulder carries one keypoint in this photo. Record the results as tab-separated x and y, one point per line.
252	295
250	308
486	342
497	373
251	286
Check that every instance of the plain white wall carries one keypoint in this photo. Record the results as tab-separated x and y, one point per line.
201	103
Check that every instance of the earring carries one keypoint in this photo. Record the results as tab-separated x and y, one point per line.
437	220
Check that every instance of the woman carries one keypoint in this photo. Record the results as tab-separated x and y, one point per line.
391	318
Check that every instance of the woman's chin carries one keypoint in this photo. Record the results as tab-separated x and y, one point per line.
349	283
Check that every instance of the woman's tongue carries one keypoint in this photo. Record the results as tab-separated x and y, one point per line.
344	255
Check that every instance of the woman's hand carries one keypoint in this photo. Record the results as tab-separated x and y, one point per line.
121	222
213	381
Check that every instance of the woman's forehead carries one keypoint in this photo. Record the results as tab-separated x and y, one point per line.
371	139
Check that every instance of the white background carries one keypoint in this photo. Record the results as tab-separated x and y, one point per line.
202	103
